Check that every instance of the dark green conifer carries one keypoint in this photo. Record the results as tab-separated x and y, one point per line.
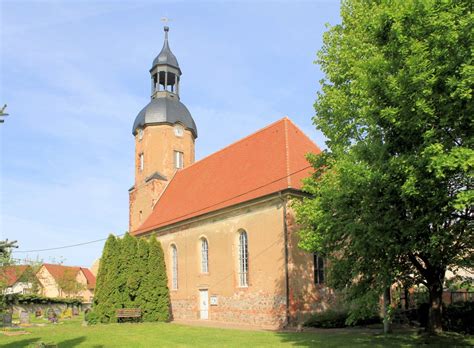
103	305
141	271
126	282
157	304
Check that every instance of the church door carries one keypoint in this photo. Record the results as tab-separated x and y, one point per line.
204	304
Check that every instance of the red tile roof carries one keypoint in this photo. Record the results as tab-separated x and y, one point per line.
9	275
90	277
59	271
268	161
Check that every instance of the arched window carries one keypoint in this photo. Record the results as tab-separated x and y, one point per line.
204	256
174	268
318	269
243	259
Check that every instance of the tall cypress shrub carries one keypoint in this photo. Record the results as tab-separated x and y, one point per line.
141	271
103	304
128	281
157	300
115	277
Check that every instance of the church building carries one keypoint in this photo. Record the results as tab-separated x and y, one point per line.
225	222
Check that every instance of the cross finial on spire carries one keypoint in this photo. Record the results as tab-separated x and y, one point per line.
165	20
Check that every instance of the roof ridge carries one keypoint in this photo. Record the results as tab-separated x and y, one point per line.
234	143
55	264
287	154
303	133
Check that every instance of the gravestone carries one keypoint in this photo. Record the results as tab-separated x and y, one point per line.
24	317
38	313
75	311
7	319
52	316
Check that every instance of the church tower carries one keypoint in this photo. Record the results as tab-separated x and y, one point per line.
164	132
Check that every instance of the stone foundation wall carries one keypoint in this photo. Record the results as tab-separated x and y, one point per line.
244	308
302	306
184	309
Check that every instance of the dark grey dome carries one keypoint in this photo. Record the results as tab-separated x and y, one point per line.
166	57
165	110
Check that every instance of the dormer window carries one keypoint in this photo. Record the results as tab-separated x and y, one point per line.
178	160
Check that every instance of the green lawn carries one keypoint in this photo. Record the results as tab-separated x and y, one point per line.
72	334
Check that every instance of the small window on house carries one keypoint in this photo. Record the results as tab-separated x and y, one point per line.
178	160
318	269
204	256
142	163
243	259
140	134
174	268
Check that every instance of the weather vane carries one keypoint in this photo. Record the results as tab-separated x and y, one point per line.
3	113
166	20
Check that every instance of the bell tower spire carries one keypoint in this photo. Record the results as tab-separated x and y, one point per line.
165	72
164	132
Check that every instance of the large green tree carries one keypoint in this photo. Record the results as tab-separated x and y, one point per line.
392	197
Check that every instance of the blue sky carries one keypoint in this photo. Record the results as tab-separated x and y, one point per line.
75	74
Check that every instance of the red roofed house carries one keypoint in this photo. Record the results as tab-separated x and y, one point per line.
225	222
66	281
14	279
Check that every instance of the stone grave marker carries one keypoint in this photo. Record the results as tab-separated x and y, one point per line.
24	317
7	319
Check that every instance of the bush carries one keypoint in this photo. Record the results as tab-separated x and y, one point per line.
92	318
374	319
338	318
328	319
11	299
458	317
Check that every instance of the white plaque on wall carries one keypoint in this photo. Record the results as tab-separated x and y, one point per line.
213	300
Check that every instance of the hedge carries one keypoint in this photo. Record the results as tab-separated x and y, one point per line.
12	299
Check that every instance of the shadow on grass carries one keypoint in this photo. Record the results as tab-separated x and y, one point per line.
23	343
32	342
348	339
73	342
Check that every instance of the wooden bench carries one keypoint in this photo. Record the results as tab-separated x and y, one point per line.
128	313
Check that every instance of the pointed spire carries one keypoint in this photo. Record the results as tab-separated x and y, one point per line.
166	57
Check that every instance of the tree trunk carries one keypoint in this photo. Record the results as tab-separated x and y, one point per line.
407	297
435	312
387	321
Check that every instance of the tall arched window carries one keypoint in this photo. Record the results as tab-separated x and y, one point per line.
318	269
243	259
204	256
174	268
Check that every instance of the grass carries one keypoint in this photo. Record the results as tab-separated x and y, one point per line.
72	334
